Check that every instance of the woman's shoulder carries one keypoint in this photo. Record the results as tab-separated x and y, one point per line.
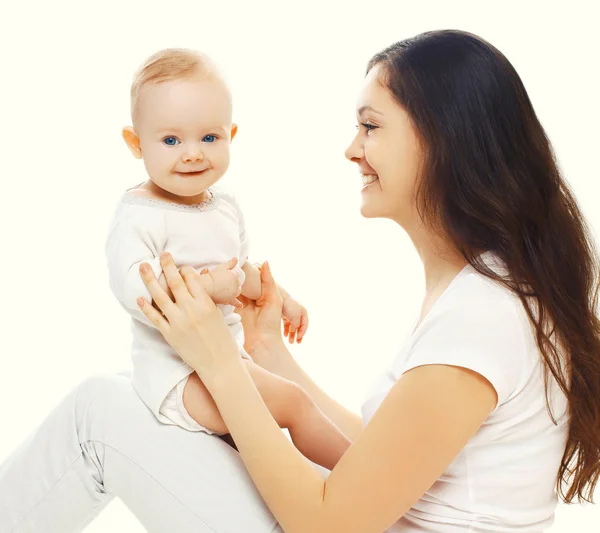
479	306
474	292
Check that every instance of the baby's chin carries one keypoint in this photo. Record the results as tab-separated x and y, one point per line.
191	184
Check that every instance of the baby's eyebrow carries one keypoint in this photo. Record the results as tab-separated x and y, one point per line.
163	131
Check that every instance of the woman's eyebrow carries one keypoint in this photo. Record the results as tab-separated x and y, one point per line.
368	108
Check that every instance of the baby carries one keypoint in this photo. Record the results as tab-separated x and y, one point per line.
182	129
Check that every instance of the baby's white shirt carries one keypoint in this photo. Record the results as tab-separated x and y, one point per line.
202	236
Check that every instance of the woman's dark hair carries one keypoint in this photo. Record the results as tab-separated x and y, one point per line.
491	182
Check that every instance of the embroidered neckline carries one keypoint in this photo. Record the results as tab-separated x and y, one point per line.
207	205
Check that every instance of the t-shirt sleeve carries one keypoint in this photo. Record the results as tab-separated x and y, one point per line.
138	235
480	336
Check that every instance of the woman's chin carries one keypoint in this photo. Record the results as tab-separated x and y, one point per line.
368	210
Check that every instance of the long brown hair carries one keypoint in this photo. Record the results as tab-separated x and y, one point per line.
491	181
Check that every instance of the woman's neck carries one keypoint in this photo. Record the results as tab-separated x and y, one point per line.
441	260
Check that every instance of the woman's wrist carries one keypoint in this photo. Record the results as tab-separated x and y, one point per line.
268	351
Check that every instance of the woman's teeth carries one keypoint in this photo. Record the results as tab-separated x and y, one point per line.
369	178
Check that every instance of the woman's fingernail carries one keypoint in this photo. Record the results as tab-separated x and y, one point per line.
164	255
140	302
144	268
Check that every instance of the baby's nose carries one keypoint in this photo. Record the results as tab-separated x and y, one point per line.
193	155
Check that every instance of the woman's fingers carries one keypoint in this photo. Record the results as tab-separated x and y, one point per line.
244	301
159	295
174	279
237	304
270	293
191	280
153	315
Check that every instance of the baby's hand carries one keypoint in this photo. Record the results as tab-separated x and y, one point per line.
295	320
225	284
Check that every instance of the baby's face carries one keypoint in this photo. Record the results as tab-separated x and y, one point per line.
185	131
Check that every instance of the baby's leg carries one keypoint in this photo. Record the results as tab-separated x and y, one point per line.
277	393
315	436
312	432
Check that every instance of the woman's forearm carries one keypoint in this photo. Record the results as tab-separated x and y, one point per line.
276	358
317	437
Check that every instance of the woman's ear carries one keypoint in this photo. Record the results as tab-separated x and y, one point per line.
133	141
234	129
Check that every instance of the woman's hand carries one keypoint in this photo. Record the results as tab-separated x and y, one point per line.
192	324
262	319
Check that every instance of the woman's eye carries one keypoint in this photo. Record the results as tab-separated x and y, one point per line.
171	141
209	139
368	127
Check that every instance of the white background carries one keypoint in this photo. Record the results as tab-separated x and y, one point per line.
295	69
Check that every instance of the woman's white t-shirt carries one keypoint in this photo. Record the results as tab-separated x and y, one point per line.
504	479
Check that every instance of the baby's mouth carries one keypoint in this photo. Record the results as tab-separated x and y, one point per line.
191	174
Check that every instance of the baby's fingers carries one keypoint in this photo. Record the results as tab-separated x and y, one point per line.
295	326
230	265
303	327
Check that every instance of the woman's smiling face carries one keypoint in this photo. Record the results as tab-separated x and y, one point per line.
387	153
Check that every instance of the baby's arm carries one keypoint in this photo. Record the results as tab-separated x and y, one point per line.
251	288
295	317
138	235
312	432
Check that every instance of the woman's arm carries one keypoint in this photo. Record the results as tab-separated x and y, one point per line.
276	358
290	406
424	422
264	343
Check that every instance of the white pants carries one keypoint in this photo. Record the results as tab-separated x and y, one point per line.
101	441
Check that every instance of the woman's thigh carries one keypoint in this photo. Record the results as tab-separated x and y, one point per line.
171	479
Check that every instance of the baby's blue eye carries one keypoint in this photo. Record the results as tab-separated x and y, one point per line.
171	141
209	139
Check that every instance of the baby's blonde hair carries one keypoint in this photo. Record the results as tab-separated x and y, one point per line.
171	64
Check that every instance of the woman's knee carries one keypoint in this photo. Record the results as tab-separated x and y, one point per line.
103	392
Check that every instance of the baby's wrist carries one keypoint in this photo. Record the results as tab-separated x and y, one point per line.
284	294
208	283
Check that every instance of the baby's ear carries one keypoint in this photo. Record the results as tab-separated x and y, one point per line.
133	141
234	129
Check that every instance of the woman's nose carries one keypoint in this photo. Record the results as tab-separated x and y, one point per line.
354	152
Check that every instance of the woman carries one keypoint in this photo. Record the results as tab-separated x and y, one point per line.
491	404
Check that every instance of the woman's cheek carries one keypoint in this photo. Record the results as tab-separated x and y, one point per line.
373	154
